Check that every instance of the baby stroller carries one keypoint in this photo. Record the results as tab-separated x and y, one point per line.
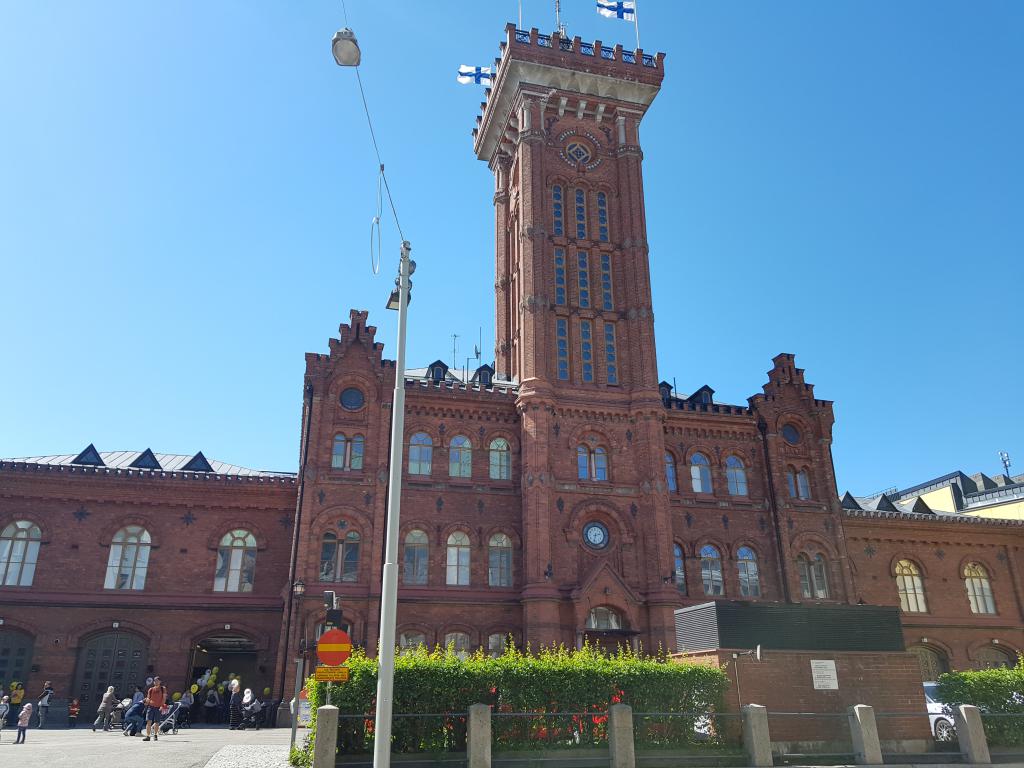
251	715
170	722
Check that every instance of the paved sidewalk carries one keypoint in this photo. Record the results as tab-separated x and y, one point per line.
190	748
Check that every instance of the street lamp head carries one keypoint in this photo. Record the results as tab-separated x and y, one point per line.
345	48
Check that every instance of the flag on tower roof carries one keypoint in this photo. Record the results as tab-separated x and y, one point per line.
617	9
476	75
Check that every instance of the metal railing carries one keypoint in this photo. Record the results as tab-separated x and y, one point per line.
548	730
701	730
410	733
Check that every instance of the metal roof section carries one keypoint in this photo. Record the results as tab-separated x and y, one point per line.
935	518
138	460
970	493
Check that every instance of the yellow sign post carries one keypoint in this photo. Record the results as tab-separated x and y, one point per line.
331	674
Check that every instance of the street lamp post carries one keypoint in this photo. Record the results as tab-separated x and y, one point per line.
389	586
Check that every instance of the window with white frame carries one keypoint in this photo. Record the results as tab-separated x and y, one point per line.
746	567
499	561
979	589
129	559
458	560
348	452
421	451
460	457
736	476
711	570
339	557
236	562
19	552
416	558
500	459
700	473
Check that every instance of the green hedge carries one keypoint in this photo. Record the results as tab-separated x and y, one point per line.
999	693
565	693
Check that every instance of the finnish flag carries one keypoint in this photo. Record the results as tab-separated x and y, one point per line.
621	9
476	75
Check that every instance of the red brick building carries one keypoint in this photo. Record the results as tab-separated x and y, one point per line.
563	493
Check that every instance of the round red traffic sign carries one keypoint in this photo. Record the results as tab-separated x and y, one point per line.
334	647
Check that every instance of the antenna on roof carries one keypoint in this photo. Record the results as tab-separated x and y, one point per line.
674	391
558	19
455	346
1005	458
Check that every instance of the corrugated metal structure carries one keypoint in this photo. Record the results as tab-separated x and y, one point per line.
782	626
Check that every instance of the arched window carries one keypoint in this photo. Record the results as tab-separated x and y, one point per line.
991	657
679	568
500	459
736	475
416	554
670	472
932	662
700	473
348	452
499	561
460	457
711	570
236	562
343	565
591	464
979	590
408	641
746	566
421	449
798	483
557	211
19	551
497	643
910	587
459	642
129	559
458	560
603	619
813	576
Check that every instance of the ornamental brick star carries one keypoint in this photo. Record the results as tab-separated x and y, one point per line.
81	514
188	518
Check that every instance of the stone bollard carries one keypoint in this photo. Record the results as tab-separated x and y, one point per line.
621	752
478	737
864	733
756	739
971	734
325	747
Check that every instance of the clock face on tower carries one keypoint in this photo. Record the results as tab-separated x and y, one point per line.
595	535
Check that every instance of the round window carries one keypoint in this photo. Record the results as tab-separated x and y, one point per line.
791	434
352	399
577	152
595	535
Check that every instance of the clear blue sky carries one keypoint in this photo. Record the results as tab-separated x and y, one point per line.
186	189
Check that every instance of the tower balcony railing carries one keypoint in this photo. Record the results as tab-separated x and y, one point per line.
532	37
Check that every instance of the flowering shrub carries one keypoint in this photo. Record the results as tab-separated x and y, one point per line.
556	698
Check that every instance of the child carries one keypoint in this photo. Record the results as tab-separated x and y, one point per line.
73	709
5	706
23	720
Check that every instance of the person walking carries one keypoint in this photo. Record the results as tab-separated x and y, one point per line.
105	710
73	709
210	706
23	720
156	700
44	703
235	706
17	696
5	707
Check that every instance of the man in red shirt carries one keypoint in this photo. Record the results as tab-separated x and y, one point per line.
156	698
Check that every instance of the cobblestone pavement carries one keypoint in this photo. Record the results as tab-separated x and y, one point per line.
190	748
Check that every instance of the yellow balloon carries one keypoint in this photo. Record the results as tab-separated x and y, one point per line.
215	670
176	697
220	689
266	691
194	688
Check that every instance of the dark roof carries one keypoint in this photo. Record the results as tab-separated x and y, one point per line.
167	462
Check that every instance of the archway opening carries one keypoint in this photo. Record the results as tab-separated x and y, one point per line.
232	654
606	628
15	657
991	657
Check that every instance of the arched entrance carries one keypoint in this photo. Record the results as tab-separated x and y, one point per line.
15	657
606	628
117	658
232	654
933	663
991	657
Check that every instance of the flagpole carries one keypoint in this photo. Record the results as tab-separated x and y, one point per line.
636	21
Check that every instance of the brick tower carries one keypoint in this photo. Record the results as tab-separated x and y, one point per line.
575	329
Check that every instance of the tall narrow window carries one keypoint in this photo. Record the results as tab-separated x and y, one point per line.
458	560
562	341
339	560
606	281
910	587
583	277
348	452
600	459
129	559
19	551
416	553
459	642
236	562
496	643
409	641
670	473
798	484
556	210
581	214
602	217
460	457
736	475
711	570
587	350
499	561
421	449
560	276
813	577
979	589
591	464
500	459
746	566
350	557
609	353
700	473
679	568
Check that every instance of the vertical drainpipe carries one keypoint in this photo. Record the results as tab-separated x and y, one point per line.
307	405
762	427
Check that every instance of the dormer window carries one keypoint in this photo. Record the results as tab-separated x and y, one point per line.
436	373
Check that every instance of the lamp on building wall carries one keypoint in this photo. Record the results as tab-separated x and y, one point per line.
299	588
548	572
